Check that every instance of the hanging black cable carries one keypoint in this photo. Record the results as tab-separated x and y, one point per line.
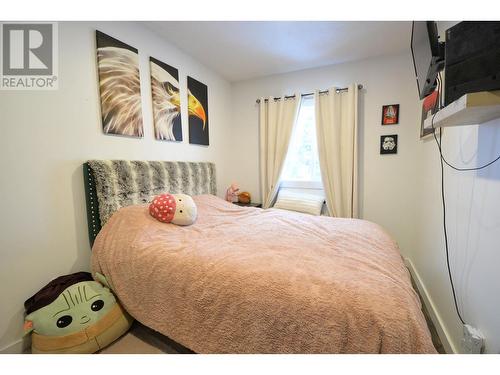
461	169
443	201
439	143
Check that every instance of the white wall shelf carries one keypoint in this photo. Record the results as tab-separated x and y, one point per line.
470	109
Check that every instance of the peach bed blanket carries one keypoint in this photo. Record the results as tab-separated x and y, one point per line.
247	280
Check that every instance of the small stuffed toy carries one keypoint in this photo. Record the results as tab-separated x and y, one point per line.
232	193
244	197
74	314
178	209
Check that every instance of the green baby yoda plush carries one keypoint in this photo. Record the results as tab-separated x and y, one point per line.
74	314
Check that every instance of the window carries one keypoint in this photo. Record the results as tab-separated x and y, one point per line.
301	169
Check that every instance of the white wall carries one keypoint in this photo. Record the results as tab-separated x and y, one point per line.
388	183
473	221
46	136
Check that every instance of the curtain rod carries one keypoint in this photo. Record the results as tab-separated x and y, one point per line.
311	93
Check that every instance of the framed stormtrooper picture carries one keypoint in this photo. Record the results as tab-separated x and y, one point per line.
389	144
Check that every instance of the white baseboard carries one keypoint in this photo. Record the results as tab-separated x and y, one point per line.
434	315
15	348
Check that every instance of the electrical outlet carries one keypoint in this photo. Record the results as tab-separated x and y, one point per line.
473	340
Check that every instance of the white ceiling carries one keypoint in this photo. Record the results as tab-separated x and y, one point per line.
246	49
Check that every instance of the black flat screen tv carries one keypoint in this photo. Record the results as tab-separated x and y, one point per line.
428	55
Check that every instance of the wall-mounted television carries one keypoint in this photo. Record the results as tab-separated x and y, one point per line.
428	55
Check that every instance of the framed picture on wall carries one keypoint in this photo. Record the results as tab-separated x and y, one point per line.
119	87
429	108
390	114
198	112
166	101
389	144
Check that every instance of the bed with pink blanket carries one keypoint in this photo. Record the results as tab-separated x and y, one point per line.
247	280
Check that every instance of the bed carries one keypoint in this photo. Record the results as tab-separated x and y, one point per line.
247	280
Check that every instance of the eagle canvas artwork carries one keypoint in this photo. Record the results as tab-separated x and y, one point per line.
166	101
119	86
198	112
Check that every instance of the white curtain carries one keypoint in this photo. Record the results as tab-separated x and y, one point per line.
276	118
336	130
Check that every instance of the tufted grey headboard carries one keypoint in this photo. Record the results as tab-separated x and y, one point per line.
113	184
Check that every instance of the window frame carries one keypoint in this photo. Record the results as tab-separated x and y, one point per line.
301	184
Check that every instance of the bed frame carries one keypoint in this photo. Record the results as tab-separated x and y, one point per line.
93	220
112	184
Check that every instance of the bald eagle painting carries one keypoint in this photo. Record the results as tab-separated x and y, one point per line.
166	101
119	86
198	113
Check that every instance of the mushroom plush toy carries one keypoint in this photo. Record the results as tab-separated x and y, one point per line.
178	209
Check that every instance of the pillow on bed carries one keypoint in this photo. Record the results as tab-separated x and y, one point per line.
300	202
